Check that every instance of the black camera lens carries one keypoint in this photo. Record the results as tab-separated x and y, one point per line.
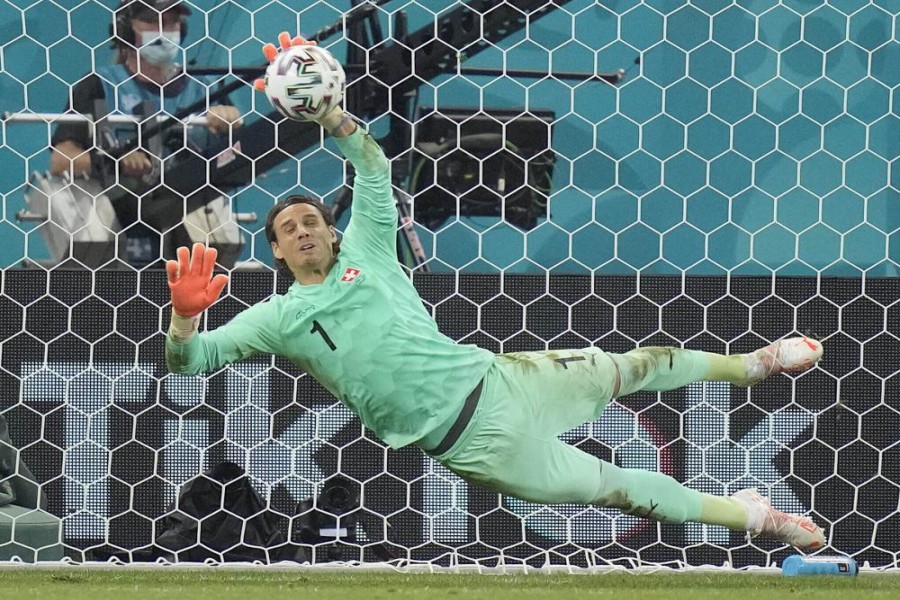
336	497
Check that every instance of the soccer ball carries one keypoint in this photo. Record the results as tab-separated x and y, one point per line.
305	82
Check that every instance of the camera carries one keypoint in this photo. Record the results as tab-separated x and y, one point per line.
328	522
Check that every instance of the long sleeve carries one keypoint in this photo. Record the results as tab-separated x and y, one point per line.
373	198
249	333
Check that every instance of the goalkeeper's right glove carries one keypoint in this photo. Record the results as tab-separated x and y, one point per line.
191	280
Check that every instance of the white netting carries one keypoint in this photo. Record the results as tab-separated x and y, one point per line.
732	177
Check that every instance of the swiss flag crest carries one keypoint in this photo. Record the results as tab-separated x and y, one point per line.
350	274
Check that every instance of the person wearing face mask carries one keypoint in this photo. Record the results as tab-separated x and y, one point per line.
146	78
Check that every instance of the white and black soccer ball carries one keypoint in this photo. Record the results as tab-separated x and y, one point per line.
305	82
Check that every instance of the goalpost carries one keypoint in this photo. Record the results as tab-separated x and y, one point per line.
709	175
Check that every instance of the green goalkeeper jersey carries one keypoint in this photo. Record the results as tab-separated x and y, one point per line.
363	333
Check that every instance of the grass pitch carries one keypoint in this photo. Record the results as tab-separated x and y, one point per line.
166	583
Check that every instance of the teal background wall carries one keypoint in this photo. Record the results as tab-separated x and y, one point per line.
754	137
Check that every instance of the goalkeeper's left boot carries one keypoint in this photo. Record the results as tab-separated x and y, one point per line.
790	355
763	520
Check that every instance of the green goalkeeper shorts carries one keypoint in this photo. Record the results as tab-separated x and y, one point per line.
529	398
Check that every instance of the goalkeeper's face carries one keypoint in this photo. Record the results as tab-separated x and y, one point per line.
303	240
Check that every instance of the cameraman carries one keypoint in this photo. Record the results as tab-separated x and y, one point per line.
147	36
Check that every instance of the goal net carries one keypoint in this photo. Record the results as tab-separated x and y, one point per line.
709	175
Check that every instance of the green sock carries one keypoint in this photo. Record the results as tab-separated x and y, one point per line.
658	369
716	510
648	494
726	368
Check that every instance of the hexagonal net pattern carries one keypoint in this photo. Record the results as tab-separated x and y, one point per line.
706	175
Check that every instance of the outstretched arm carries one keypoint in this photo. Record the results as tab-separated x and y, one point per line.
194	289
373	198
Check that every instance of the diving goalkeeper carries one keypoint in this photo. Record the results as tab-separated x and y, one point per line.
353	320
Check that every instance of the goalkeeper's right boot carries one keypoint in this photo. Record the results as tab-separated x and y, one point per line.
763	520
790	355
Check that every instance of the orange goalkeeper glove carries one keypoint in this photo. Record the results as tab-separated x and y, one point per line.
191	280
328	121
271	52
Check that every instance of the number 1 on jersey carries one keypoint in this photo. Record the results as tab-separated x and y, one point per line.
317	327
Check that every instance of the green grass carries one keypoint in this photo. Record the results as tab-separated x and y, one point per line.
168	583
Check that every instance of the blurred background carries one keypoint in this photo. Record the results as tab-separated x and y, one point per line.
746	138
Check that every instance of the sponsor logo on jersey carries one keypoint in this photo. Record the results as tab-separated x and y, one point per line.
350	275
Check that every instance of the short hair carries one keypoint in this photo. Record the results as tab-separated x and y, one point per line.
282	204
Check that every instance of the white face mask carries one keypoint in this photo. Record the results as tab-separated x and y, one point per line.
160	48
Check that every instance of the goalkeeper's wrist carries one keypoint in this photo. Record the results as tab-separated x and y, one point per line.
183	329
338	123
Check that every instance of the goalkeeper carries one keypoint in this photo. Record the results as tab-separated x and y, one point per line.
353	320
